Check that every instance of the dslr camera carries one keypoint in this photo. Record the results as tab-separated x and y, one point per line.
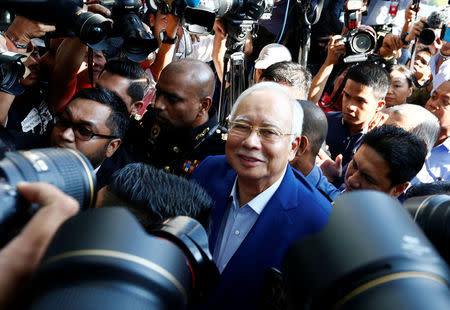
359	41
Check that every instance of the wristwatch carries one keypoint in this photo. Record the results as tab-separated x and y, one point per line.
403	38
164	37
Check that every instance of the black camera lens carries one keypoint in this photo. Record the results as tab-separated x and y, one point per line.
362	43
370	255
427	36
432	214
11	71
92	29
102	258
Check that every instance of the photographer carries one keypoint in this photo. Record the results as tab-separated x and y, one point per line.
21	256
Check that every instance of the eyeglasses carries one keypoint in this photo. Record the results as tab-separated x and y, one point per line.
266	134
80	131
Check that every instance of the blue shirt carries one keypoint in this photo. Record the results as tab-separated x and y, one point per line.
238	222
437	165
317	179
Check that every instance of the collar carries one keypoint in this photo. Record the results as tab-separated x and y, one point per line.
446	144
258	203
199	132
347	128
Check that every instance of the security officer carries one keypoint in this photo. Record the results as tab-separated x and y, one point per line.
180	129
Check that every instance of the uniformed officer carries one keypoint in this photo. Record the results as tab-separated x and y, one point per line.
181	129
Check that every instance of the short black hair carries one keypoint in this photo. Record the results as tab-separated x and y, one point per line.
425	189
290	73
154	195
118	121
404	152
139	81
372	75
315	125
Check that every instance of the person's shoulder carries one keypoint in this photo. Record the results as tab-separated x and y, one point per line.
334	115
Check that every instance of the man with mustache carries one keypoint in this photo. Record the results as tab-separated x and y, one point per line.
262	205
181	128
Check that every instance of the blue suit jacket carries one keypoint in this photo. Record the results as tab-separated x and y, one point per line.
295	210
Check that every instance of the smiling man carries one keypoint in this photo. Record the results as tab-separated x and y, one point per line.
262	205
363	95
388	158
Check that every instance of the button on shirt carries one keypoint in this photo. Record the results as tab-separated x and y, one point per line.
238	221
437	165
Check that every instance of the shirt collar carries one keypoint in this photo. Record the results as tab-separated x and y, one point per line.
258	203
446	143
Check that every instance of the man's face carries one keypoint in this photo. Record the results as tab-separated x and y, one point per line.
399	89
359	104
177	102
421	65
90	115
439	104
33	64
257	161
118	85
368	170
159	23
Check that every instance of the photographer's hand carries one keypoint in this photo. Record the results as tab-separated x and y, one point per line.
22	30
20	257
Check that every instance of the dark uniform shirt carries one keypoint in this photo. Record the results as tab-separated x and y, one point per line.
339	138
179	150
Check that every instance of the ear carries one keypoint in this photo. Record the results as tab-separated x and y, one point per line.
397	190
205	104
410	91
112	147
293	148
304	142
151	20
136	107
381	104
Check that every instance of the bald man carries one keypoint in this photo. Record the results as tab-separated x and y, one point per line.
181	128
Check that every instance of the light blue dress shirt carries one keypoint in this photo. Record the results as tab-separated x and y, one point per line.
238	221
437	165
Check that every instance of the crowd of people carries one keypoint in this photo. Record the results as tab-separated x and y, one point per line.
296	139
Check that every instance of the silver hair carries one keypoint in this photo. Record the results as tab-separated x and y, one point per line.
297	111
422	123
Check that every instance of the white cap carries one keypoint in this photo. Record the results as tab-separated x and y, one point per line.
271	54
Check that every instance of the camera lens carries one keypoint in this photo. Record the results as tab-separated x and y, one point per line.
362	43
427	36
92	29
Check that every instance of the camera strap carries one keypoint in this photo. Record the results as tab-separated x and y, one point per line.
90	66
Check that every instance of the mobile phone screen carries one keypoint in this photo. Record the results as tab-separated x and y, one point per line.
445	33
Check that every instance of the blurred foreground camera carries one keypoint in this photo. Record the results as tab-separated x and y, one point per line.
370	255
102	258
67	15
67	169
432	214
11	71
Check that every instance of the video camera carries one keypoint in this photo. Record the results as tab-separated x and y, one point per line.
359	42
199	16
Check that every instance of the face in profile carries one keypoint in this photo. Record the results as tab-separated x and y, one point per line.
439	104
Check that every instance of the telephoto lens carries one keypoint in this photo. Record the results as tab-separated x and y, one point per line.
432	214
370	255
103	259
67	169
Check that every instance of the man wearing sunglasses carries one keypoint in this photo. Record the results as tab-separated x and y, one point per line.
262	205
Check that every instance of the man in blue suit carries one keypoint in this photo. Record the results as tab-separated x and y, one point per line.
262	205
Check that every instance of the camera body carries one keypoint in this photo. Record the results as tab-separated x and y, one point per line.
12	70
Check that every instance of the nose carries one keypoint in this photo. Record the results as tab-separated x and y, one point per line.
351	107
252	141
68	135
159	103
431	105
354	181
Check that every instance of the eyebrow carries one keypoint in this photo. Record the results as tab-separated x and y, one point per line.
364	174
265	123
80	122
